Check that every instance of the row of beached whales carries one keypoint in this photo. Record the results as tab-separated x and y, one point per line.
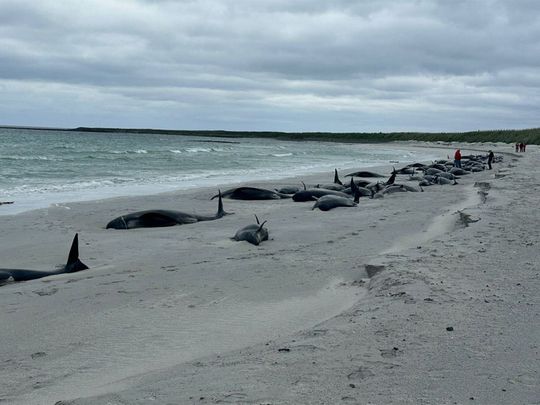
325	196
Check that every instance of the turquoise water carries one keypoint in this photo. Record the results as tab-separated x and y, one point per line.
39	168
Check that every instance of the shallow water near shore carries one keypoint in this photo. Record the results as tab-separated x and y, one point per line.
40	168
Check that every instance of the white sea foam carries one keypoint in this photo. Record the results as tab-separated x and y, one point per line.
281	154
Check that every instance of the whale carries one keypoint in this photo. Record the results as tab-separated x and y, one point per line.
253	233
311	194
433	171
288	190
337	185
364	173
406	170
392	177
161	218
459	171
444	181
72	265
328	202
394	189
252	193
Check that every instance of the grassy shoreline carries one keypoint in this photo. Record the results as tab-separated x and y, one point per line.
529	136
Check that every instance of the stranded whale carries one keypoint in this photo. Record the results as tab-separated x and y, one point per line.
159	218
252	193
73	265
254	233
327	202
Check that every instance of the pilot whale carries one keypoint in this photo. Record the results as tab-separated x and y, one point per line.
160	218
252	193
254	233
73	265
328	202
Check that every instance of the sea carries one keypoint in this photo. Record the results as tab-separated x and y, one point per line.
43	167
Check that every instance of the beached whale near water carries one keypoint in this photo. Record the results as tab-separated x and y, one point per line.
253	233
337	185
252	193
364	173
394	189
392	177
444	181
160	218
312	194
73	265
327	202
288	190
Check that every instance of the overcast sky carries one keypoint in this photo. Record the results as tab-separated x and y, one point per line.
286	65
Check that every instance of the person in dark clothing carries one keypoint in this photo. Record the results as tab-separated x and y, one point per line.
491	156
517	147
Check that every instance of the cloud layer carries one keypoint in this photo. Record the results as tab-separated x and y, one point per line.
306	65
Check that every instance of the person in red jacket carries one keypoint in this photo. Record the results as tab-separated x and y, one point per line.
457	158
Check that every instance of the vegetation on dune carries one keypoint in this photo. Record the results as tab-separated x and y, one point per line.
528	136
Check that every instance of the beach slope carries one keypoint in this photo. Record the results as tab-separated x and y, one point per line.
418	298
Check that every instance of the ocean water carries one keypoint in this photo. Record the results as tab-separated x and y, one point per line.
40	168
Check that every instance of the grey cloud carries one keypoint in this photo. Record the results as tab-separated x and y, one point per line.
276	62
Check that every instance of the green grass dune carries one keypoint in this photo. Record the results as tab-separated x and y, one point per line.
527	136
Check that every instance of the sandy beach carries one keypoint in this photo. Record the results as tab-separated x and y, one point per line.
396	301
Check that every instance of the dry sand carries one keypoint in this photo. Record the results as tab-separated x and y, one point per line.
184	315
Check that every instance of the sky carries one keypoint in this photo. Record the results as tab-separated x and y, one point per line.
272	65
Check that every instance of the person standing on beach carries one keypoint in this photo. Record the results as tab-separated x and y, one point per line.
517	147
457	158
491	156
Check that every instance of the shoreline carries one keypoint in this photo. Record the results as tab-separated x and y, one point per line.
142	190
160	273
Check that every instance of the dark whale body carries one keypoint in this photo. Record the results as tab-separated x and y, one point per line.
252	193
313	193
327	202
253	233
73	265
160	218
364	173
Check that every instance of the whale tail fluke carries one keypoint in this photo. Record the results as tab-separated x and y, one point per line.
73	263
261	226
392	177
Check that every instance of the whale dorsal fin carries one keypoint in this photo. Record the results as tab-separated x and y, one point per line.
336	178
73	263
74	251
221	212
304	184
